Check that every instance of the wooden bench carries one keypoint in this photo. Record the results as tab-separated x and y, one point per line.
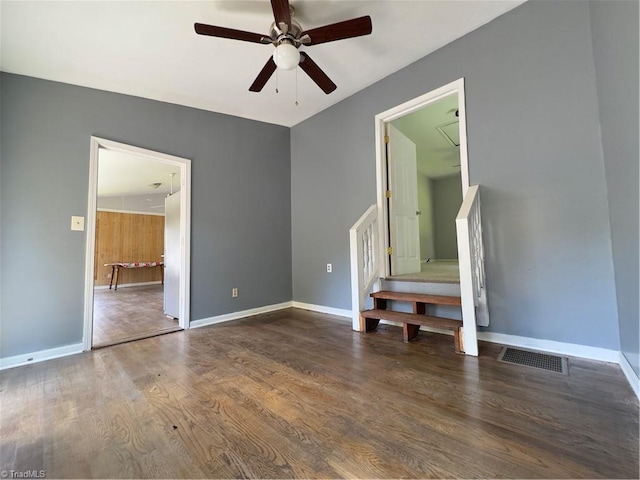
411	322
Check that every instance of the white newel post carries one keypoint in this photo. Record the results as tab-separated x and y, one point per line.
473	291
363	252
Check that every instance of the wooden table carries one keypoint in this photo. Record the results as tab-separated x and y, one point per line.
116	266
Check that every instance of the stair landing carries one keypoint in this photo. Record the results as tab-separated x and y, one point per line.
443	271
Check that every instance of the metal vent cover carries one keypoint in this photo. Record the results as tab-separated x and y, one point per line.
533	359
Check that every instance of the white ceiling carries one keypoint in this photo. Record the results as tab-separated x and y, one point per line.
123	174
437	157
149	48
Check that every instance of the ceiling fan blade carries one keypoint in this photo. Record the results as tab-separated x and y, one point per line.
223	32
264	76
356	27
316	74
282	14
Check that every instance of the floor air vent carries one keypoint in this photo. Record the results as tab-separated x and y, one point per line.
528	358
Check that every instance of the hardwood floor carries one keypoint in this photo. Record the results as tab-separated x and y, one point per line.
297	394
129	313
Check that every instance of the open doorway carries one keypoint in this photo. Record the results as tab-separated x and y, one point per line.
425	185
137	244
412	237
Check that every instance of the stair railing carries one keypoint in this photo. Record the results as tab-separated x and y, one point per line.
365	268
472	275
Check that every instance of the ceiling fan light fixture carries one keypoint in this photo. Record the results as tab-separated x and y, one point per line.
286	56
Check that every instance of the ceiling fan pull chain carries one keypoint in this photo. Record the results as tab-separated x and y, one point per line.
296	87
277	91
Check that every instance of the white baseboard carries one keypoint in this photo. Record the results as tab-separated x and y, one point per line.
562	348
551	346
322	309
628	371
41	356
227	317
125	285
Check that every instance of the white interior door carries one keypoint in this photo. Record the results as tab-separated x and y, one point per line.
172	255
403	204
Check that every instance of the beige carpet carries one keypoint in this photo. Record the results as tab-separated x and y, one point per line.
444	271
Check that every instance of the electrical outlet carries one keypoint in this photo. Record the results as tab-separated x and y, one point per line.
234	292
329	268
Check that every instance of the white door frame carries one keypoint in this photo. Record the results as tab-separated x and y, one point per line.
381	120
185	228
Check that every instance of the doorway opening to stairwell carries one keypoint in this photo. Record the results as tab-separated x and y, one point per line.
381	246
422	178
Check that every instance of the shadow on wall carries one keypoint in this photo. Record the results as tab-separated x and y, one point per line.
443	196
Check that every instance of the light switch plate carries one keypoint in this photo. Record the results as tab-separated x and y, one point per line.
77	224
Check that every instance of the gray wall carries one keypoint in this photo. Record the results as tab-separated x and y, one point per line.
447	199
241	228
426	218
615	48
534	146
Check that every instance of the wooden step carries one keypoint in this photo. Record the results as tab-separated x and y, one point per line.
413	318
411	323
417	298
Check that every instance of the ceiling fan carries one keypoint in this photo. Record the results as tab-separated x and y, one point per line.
287	36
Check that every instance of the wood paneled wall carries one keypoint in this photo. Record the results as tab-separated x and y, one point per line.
128	237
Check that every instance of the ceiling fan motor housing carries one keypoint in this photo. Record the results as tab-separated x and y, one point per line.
292	36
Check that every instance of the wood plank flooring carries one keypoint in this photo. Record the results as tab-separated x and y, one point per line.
295	394
129	313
